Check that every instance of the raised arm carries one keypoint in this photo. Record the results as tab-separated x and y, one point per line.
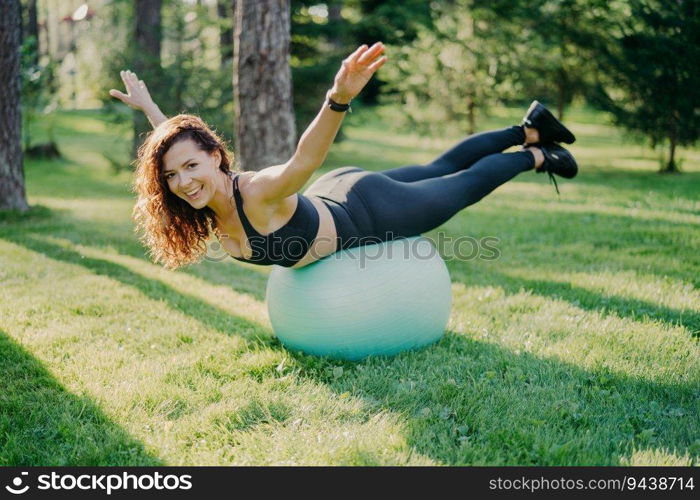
139	98
280	181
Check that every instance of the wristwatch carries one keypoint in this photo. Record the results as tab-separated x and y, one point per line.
336	106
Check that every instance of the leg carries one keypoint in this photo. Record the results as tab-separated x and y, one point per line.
461	156
411	208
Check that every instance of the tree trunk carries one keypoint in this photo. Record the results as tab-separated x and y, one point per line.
227	15
262	82
560	100
146	62
562	81
471	115
562	93
12	194
671	167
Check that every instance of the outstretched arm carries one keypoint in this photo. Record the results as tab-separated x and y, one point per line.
279	181
139	98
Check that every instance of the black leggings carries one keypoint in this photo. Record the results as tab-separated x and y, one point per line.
407	201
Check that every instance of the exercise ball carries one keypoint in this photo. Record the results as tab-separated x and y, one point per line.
375	299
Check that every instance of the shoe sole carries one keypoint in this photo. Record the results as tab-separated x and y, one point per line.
566	135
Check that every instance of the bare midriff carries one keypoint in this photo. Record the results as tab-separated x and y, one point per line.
272	219
325	243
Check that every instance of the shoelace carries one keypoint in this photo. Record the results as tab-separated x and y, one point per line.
552	179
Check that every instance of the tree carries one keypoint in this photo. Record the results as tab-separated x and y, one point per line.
226	10
550	45
336	21
324	33
318	43
393	22
31	29
447	74
146	55
185	78
262	82
649	78
12	192
38	97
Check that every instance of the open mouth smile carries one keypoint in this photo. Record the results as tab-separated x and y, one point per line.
193	195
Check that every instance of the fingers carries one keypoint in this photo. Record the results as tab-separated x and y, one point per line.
130	79
377	64
355	55
371	53
115	93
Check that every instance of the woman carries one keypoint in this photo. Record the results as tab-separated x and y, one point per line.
186	188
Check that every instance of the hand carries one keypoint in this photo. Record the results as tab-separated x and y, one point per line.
356	71
137	95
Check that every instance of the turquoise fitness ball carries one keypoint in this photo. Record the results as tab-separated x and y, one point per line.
376	299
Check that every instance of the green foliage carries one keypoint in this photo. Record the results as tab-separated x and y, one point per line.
551	46
189	79
311	82
319	44
394	22
111	33
448	74
649	76
193	78
391	21
318	47
38	91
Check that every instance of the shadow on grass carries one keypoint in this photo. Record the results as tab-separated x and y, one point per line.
253	283
590	241
41	423
491	406
209	315
58	223
463	401
624	307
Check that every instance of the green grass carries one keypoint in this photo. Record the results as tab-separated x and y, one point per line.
578	346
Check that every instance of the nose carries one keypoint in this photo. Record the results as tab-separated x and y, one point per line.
184	180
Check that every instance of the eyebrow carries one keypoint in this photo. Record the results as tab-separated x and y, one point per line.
184	163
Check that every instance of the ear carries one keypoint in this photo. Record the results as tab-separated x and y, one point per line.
216	154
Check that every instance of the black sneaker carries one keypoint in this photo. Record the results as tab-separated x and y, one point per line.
549	128
557	160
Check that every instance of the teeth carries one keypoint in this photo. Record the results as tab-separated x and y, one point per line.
192	192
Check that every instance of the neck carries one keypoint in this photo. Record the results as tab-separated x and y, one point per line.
222	202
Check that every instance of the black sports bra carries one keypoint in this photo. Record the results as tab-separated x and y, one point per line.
286	246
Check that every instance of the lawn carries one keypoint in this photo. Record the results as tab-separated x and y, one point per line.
577	346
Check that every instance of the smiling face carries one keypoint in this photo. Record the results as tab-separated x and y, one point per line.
191	173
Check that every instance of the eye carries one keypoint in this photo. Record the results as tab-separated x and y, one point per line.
169	175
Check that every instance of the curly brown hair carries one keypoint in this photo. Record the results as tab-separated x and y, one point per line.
173	230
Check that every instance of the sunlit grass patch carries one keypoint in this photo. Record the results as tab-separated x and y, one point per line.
578	345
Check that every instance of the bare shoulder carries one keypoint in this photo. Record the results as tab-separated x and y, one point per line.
258	205
252	192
